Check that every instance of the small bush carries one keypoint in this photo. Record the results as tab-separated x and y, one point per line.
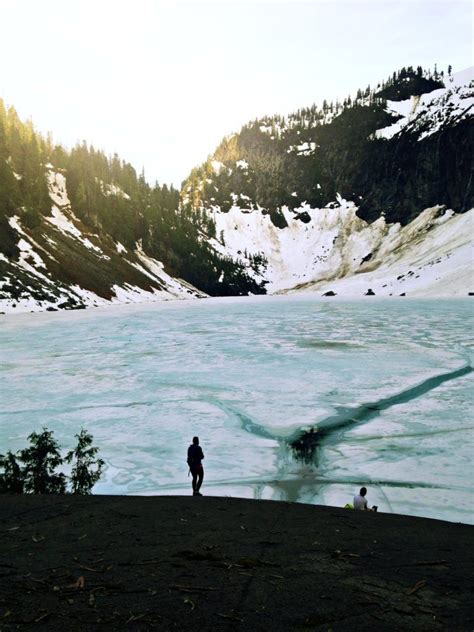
33	470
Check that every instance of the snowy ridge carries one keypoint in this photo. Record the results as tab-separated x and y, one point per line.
339	252
62	266
430	112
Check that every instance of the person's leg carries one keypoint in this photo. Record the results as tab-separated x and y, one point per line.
194	475
200	478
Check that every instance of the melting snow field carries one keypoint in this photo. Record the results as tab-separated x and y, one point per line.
245	375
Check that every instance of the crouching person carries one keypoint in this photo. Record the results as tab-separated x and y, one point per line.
360	501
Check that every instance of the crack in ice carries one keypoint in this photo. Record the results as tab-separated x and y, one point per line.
329	429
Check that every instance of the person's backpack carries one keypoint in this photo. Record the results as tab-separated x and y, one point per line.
192	459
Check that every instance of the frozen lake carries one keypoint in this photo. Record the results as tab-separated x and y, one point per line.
387	381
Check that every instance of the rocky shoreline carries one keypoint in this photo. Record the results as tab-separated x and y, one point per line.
183	563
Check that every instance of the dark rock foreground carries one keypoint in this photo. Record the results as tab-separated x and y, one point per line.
184	563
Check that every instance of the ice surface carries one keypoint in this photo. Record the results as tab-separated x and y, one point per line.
244	375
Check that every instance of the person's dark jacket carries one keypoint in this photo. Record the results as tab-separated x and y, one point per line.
195	456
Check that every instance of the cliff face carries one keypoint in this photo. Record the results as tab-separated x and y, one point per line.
403	176
425	158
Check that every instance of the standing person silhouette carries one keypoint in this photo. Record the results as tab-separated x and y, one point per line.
195	456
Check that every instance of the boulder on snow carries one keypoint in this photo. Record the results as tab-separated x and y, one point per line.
304	217
330	293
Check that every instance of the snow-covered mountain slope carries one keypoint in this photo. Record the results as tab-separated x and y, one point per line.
332	249
357	206
61	265
428	113
375	193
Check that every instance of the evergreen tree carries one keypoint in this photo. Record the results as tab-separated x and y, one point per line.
83	477
37	474
40	462
12	480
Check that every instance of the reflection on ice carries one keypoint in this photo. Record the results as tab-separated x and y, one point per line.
246	376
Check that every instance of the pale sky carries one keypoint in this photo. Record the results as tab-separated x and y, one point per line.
161	82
